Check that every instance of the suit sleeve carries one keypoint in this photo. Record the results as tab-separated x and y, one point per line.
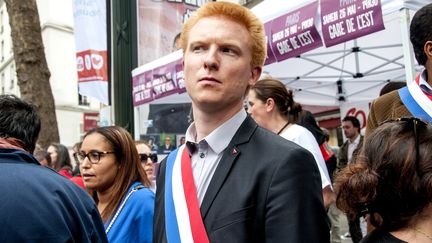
295	210
159	213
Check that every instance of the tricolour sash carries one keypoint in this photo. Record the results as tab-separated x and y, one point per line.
416	101
183	219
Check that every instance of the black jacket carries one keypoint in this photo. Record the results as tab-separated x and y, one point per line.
269	190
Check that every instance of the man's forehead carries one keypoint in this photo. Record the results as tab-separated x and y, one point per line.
198	33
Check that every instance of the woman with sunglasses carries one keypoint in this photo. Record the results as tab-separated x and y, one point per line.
112	172
148	161
391	182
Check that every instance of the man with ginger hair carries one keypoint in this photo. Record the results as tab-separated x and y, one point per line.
233	181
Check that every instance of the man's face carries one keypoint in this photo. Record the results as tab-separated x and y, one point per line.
349	130
217	64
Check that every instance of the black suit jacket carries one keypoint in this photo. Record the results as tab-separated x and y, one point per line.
269	191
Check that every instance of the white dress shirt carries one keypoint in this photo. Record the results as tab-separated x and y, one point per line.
424	85
352	146
207	153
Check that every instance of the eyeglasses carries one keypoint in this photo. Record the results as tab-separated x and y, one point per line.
144	157
415	122
93	156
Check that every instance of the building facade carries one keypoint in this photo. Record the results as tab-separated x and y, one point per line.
56	19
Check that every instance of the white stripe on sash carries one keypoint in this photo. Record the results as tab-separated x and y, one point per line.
422	100
181	209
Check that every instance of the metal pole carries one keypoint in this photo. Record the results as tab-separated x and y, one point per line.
124	59
406	46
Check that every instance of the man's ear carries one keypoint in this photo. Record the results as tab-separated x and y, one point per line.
427	48
255	75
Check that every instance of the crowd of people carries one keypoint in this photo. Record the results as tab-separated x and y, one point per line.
260	175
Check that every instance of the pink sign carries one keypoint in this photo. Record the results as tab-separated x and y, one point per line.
270	55
294	33
90	120
141	88
158	82
344	20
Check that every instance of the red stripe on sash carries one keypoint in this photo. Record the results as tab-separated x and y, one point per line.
199	233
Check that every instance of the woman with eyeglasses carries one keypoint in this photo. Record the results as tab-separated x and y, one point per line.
148	161
112	172
391	181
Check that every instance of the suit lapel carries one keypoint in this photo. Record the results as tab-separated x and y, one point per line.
231	154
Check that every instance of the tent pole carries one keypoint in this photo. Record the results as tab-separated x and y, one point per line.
356	55
406	45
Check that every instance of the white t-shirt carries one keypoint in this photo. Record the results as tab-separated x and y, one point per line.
304	138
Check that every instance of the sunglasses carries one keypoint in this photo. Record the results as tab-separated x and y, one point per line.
415	123
145	157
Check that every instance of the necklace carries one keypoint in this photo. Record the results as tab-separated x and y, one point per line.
283	128
423	233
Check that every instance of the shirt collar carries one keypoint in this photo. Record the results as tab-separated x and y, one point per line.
356	141
219	138
423	79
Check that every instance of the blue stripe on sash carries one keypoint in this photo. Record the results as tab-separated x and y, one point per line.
172	230
412	105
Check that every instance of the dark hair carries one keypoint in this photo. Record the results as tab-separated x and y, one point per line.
386	181
353	120
76	148
283	98
63	158
390	86
326	134
421	32
19	119
41	154
130	169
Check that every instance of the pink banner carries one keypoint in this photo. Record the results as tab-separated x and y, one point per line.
294	33
270	55
344	20
158	82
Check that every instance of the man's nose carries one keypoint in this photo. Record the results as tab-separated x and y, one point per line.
211	61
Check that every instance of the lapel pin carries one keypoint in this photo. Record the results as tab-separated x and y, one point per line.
234	151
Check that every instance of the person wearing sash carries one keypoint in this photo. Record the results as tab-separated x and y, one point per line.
233	181
112	172
416	98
